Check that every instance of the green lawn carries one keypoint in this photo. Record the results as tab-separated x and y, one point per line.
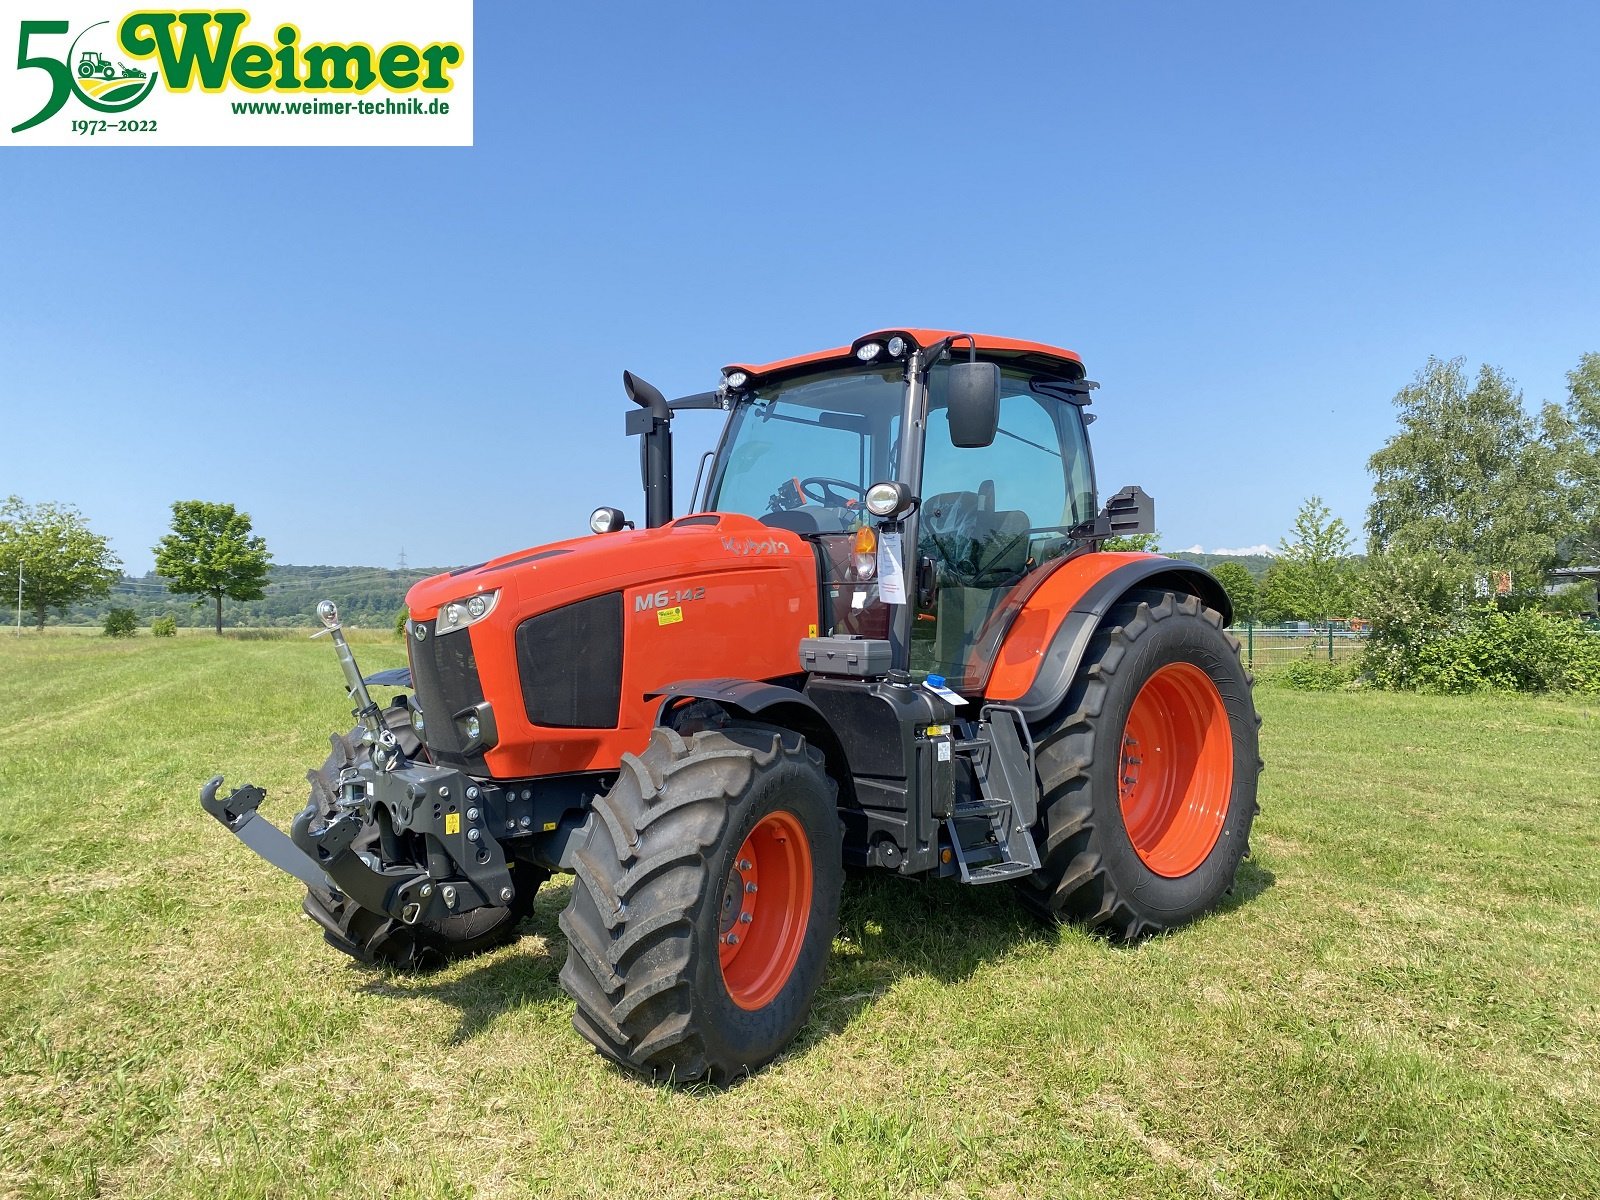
1402	998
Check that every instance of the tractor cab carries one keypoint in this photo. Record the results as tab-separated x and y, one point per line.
808	438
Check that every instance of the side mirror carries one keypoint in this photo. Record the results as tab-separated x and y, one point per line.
973	405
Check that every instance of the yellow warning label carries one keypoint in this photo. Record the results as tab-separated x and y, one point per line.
452	822
813	632
668	616
549	825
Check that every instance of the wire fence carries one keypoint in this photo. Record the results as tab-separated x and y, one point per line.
1265	646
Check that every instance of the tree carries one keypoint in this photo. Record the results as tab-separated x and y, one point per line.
1311	578
1136	543
1472	478
210	552
60	559
1241	587
1579	452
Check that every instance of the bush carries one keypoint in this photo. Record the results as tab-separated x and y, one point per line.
400	619
121	622
1524	651
1314	675
164	626
1410	601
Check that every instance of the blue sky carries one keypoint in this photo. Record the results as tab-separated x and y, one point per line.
1254	221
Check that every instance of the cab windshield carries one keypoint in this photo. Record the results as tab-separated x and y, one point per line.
800	455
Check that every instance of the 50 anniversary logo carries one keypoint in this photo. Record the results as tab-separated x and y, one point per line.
228	81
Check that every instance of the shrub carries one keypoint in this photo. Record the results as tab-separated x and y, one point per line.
1523	651
1314	675
121	622
164	626
400	619
1410	602
1575	600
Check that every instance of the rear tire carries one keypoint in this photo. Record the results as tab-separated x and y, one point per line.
378	940
667	870
1148	773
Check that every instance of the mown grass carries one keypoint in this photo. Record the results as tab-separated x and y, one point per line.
1402	998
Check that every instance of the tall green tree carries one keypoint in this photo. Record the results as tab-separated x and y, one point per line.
210	551
1243	593
1311	577
60	559
1578	434
1472	477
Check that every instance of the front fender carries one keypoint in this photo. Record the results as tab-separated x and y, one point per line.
773	703
1045	644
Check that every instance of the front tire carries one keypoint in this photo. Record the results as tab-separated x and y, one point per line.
1148	773
705	902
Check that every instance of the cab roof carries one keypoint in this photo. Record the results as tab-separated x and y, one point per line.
1037	353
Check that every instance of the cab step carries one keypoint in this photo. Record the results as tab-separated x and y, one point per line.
1001	847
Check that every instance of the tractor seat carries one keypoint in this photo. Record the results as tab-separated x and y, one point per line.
974	546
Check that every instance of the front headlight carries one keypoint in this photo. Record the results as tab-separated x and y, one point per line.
469	610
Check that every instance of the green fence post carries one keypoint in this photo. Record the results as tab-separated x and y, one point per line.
1250	643
1330	639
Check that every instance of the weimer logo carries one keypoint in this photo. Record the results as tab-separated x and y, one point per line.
92	72
269	68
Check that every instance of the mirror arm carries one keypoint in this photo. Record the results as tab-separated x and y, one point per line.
942	347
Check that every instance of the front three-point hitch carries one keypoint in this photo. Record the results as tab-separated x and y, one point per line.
433	857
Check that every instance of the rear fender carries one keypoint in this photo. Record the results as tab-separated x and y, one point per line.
1064	618
772	703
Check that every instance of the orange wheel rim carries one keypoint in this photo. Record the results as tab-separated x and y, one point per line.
766	905
1175	774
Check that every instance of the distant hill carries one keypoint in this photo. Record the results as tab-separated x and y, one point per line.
1256	564
366	596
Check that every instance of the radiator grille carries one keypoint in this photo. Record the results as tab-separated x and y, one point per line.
570	662
444	675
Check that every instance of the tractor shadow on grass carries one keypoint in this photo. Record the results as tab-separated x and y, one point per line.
482	989
890	929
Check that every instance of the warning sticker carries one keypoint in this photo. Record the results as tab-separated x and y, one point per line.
668	616
452	822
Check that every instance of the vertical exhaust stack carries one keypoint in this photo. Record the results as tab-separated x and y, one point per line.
654	423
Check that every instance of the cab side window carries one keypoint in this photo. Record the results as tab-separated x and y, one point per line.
991	513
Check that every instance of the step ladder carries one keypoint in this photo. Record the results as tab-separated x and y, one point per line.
990	836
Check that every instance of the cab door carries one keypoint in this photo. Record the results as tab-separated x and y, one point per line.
990	515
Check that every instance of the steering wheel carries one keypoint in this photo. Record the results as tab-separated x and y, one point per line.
828	489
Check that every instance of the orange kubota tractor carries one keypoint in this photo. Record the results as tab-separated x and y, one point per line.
886	636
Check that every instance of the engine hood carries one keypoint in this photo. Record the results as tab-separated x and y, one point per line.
582	632
604	562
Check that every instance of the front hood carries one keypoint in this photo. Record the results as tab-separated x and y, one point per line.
606	561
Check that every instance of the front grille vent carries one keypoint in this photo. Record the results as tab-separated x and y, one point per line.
570	662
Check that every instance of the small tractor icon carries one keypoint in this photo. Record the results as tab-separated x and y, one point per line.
95	63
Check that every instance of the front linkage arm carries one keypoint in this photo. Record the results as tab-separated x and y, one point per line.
237	812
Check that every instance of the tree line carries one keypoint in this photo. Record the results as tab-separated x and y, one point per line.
210	553
1474	497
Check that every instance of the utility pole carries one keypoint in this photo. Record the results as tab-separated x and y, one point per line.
402	558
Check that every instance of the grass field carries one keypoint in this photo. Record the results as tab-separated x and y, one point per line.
1401	999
